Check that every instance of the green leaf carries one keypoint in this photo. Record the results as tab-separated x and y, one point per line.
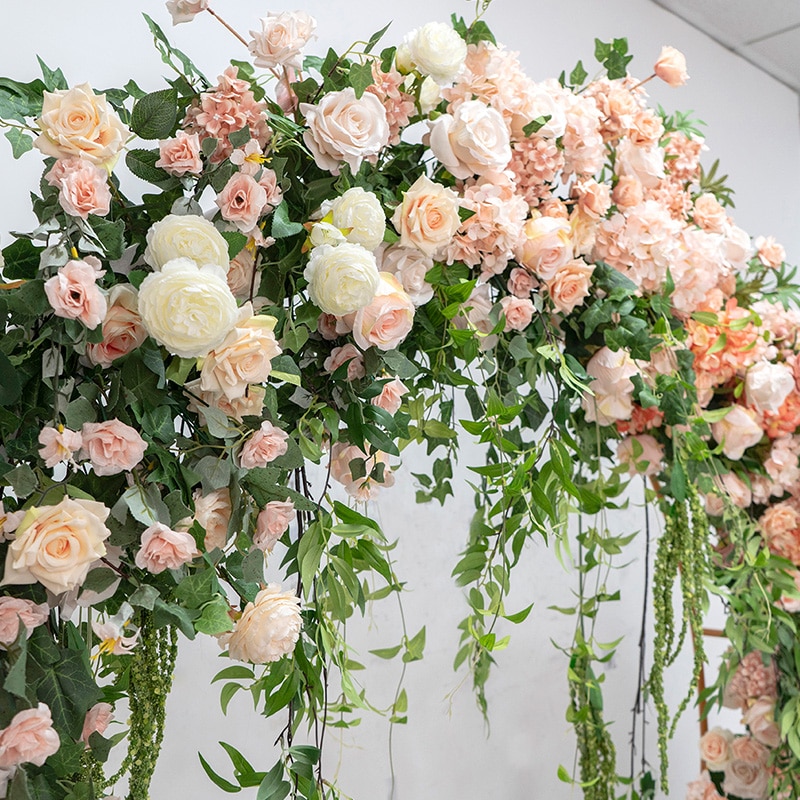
236	672
142	163
282	228
415	647
53	79
273	787
99	579
236	242
214	617
110	234
520	616
197	589
144	597
361	78
21	260
20	141
10	383
155	115
22	480
19	789
218	780
386	652
214	472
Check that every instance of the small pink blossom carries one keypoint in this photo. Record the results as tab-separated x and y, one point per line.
273	520
347	354
97	719
518	312
265	445
82	187
58	444
112	446
242	201
74	294
29	738
389	398
181	155
163	548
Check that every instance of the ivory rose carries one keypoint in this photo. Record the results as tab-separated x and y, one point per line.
123	330
56	545
436	50
427	218
342	127
767	385
389	398
213	512
272	521
111	447
736	431
281	39
546	246
181	155
73	292
387	319
265	445
268	628
347	354
58	444
342	278
14	610
472	141
242	201
715	749
185	10
82	187
188	309
359	214
570	285
78	122
671	66
97	720
29	738
185	236
163	548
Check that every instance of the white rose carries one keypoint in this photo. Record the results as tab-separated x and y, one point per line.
437	50
281	38
187	236
342	127
359	214
341	279
188	309
768	385
472	141
737	431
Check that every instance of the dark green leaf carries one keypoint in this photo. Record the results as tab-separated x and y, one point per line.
155	115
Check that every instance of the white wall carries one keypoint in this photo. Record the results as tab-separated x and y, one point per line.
444	751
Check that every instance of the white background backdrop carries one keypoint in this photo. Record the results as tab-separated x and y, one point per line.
445	751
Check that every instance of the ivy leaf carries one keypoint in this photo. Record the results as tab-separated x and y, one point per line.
20	141
360	78
282	228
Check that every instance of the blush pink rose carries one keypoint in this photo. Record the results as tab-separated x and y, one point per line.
767	385
760	719
112	447
347	354
82	187
273	520
390	397
242	201
181	155
769	252
97	720
58	444
521	283
628	192
281	39
611	372
123	329
74	294
265	445
163	548
366	487
29	739
709	214
747	776
715	749
14	610
737	431
387	319
671	67
518	312
213	512
570	286
185	10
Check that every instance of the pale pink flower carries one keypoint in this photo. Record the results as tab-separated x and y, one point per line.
584	149
58	444
518	312
366	487
82	187
427	218
389	398
74	294
767	385
242	274
347	354
326	325
97	720
769	252
387	319
123	329
611	372
751	679
272	521
643	162
250	404
715	748
671	66
760	719
163	548
213	512
242	201
535	163
682	156
474	313
737	431
709	214
747	776
594	199
780	526
570	286
111	447
14	610
29	738
111	633
520	282
399	105
281	39
545	246
181	155
703	789
783	463
642	454
736	489
410	266
627	193
185	10
265	445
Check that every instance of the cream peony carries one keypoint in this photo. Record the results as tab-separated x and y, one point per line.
78	122
188	309
341	278
436	50
56	545
387	319
767	385
736	431
281	39
187	236
428	216
268	628
359	214
29	738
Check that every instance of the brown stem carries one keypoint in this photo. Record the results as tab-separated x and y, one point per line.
226	25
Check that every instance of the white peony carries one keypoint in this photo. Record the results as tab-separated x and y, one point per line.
187	308
360	216
437	50
185	236
341	279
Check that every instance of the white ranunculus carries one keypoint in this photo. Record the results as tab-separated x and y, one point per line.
187	308
185	236
767	385
359	214
341	279
437	50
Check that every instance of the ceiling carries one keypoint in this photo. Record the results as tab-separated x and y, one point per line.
766	33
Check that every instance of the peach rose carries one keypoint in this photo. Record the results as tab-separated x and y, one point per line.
389	398
281	39
73	293
709	214
245	357
643	454
58	444
97	720
738	491
671	67
520	282
594	199
715	749
611	372
518	312
213	512
428	217
546	246
342	127
645	162
265	445
242	201
181	155
769	252
387	319
112	446
162	548
250	404
767	385
29	738
570	286
242	273
737	431
185	10
82	187
123	330
14	610
347	354
366	487
56	545
760	719
78	122
747	776
273	520
628	192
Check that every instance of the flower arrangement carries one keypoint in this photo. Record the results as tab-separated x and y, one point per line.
327	249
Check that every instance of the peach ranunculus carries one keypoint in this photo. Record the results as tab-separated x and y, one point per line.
342	127
643	454
97	720
760	719
281	39
347	354
611	372
58	444
472	141
123	330
767	385
427	218
14	610
163	548
389	398
112	447
185	10
546	246
272	521
387	319
73	292
715	748
268	628
569	287
82	187
363	488
29	738
265	445
671	66
56	545
78	122
747	776
518	312
244	358
213	512
242	201
181	155
737	431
